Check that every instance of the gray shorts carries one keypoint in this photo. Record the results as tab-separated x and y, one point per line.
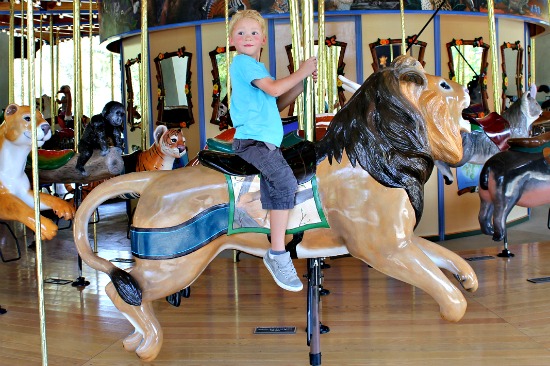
278	184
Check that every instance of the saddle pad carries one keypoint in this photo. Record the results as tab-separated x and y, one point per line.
246	213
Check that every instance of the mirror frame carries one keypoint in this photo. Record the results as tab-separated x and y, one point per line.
388	42
222	121
329	41
516	46
162	92
130	106
476	42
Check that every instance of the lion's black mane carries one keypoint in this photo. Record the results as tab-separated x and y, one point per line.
381	130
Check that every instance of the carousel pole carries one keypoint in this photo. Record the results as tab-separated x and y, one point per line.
322	76
77	100
494	54
227	53
144	91
403	36
35	184
297	54
23	83
40	106
91	110
11	55
53	113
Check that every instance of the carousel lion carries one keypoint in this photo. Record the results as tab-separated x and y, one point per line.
391	130
16	196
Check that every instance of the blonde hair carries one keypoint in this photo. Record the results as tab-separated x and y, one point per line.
250	14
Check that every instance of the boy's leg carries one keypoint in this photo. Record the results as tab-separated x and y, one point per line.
277	259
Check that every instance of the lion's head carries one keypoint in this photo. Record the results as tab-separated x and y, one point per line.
18	130
396	124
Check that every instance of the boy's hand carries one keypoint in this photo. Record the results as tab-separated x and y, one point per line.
309	66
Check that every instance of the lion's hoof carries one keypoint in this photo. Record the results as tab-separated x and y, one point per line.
132	342
455	312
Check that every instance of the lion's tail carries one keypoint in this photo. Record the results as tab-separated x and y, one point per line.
126	286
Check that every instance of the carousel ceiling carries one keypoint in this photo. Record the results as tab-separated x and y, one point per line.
58	13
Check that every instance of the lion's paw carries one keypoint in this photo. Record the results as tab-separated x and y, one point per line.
132	342
48	229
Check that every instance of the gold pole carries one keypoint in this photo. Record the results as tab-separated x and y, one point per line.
297	56
35	184
91	64
52	69
403	37
57	42
40	74
112	76
11	56
322	91
227	53
23	83
494	54
144	76
532	76
309	89
77	93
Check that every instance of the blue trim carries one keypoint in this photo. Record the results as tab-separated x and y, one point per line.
271	47
358	49
182	239
200	87
437	44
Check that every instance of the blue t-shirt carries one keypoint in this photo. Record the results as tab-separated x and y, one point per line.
254	113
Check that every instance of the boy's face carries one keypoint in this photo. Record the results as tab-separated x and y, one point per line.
247	37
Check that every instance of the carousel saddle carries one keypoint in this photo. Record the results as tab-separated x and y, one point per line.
496	128
530	144
300	157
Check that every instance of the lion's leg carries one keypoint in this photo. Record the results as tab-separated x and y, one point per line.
450	261
18	210
406	262
148	336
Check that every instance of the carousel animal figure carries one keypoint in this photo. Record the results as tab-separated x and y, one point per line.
478	146
102	127
65	111
168	146
370	167
16	196
518	176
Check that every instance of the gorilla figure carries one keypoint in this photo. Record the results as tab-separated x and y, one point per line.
102	127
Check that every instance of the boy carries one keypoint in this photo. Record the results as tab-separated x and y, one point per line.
256	100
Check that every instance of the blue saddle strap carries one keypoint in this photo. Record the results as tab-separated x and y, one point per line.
182	239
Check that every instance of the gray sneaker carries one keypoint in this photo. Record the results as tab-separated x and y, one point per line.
283	271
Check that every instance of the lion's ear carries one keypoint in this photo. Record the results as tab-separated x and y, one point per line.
11	109
413	76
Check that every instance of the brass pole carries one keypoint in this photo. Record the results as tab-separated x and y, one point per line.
112	76
11	55
323	91
403	36
532	76
23	83
52	69
40	74
91	63
57	41
35	184
77	92
144	75
494	54
297	56
309	90
227	53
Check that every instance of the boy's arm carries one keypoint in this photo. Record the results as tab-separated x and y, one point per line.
290	96
276	88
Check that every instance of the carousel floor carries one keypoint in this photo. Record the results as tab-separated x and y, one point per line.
373	319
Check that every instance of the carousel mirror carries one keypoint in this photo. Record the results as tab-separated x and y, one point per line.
174	79
220	105
468	66
334	97
511	55
133	100
385	50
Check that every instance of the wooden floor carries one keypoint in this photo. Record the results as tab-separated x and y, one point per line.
373	319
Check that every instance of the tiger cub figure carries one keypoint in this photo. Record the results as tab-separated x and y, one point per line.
169	145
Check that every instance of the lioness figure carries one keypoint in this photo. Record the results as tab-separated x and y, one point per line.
16	196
